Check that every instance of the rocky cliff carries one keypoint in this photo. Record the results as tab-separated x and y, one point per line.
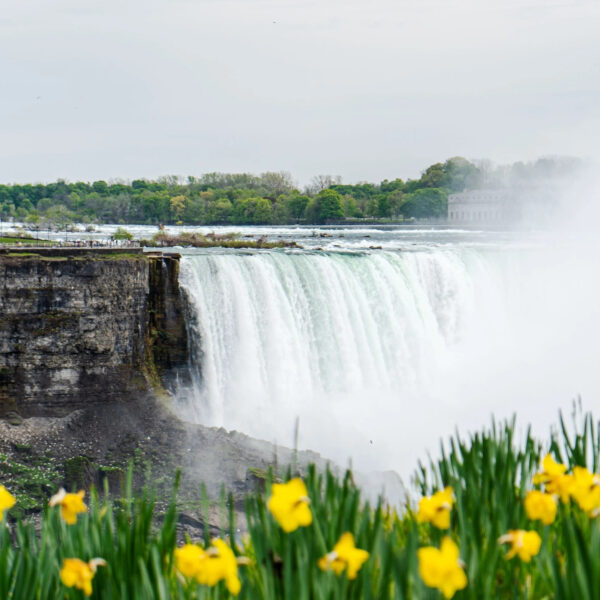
83	327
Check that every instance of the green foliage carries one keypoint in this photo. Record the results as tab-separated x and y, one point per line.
295	206
121	234
271	197
178	205
501	472
252	211
461	174
58	217
29	482
425	203
23	241
224	198
326	206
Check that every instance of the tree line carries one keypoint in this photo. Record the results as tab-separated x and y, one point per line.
223	198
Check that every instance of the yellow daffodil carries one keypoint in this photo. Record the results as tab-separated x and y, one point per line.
219	564
344	555
551	469
187	558
562	486
436	509
555	479
78	574
7	501
289	505
525	544
442	569
586	490
70	505
208	567
539	505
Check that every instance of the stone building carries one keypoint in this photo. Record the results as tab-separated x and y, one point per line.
481	206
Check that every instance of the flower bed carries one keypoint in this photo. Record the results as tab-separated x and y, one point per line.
496	518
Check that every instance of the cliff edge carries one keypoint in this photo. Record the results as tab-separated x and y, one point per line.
86	327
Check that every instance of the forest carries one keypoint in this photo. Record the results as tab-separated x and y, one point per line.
268	198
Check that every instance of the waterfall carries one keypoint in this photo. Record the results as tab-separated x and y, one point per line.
325	336
381	353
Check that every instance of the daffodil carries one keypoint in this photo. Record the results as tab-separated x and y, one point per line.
289	505
442	569
188	558
219	564
555	479
540	506
7	501
551	469
586	490
344	556
70	505
525	544
79	574
208	567
436	509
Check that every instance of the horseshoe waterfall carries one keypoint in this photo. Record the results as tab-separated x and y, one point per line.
372	354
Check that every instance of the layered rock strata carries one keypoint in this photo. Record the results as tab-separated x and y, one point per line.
83	327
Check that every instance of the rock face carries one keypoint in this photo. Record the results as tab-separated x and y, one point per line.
85	327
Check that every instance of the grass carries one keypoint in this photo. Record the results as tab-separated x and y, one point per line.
28	482
490	472
25	241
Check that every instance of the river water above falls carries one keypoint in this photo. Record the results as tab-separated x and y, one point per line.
382	341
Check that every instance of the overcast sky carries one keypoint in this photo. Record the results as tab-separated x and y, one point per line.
101	89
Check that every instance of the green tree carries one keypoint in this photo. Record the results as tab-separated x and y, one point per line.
194	210
75	201
263	212
122	234
327	205
58	217
425	203
384	207
219	211
435	176
351	208
178	205
33	219
295	206
462	174
101	187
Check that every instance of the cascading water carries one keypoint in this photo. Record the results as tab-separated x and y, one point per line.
338	339
380	352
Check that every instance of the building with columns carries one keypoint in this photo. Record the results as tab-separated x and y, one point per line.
481	206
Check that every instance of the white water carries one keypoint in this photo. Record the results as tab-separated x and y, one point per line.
381	353
344	341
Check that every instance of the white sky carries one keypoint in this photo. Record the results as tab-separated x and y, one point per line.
367	90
